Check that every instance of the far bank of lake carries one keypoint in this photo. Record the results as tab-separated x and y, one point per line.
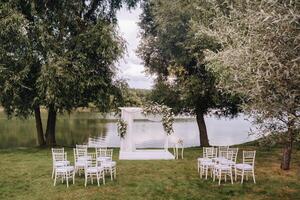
77	127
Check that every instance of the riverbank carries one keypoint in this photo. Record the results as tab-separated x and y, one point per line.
26	174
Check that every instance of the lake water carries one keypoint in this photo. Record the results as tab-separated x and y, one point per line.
77	127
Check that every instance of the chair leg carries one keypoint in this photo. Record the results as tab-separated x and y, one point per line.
242	180
220	176
55	179
73	177
111	174
231	176
98	179
85	181
235	174
103	177
115	170
253	175
67	179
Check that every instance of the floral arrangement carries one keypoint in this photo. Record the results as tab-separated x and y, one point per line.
122	127
165	111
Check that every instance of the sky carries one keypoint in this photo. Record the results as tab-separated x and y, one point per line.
131	67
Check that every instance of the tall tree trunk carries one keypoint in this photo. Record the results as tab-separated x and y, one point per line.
50	130
286	156
202	130
39	126
287	149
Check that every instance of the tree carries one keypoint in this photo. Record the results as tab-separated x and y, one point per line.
260	60
171	49
59	55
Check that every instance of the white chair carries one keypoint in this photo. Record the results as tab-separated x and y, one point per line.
178	144
206	163
79	163
101	154
105	157
231	157
93	169
222	170
59	159
247	167
63	171
208	154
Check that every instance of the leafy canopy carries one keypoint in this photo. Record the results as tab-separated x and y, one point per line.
170	48
58	53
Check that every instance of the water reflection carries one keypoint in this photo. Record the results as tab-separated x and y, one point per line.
77	127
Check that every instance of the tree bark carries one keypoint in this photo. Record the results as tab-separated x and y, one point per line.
202	130
286	156
287	149
51	123
39	126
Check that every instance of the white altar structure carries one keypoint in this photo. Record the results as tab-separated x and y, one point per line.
128	149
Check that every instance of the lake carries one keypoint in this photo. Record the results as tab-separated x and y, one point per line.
77	127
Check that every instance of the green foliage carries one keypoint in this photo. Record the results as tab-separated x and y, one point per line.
58	53
171	48
260	60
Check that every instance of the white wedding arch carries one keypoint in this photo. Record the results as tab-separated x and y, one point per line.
128	150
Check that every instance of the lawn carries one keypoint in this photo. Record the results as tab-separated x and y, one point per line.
26	174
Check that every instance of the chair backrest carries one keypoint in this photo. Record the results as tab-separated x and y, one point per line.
59	157
57	150
58	154
101	152
223	154
223	148
81	146
109	153
81	150
234	153
209	152
249	157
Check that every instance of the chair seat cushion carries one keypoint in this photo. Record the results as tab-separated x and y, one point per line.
94	169
243	166
65	169
82	163
84	158
204	159
227	162
108	164
219	159
62	163
207	163
104	159
222	167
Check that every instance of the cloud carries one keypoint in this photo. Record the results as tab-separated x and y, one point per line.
131	67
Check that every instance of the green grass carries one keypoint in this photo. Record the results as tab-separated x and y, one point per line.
26	174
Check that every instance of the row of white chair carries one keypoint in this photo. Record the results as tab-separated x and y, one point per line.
94	165
221	162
